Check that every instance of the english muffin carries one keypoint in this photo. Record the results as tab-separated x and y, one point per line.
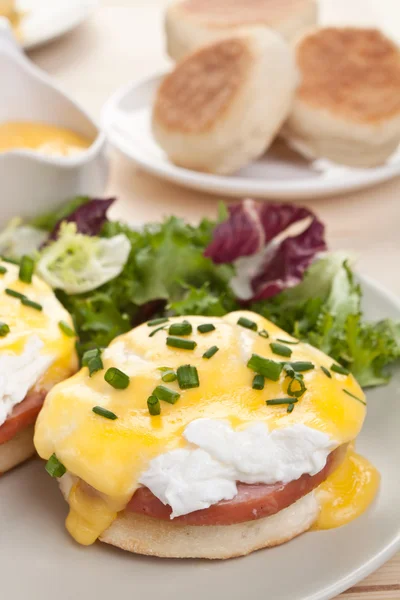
347	106
221	107
193	23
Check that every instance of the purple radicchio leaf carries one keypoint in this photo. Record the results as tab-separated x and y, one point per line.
89	217
249	231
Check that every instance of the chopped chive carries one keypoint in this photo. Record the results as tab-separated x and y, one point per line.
169	376
247	323
339	369
301	366
94	365
116	378
188	377
263	333
266	367
26	302
89	354
26	268
300	391
210	352
54	467
280	349
155	322
355	397
293	342
92	360
258	382
154	406
324	370
290	408
184	328
14	293
182	344
156	330
206	328
163	393
4	329
65	328
12	261
103	412
2	270
277	401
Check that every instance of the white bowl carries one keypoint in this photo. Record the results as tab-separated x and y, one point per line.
30	182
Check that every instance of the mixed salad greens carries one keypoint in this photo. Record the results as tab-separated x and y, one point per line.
266	257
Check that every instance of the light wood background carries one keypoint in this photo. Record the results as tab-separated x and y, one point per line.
123	41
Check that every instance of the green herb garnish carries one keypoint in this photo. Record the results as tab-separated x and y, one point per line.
166	394
26	269
288	341
116	378
210	352
35	305
301	366
290	408
277	401
299	392
247	323
266	367
156	330
258	382
263	333
355	397
168	376
3	270
188	377
103	412
4	329
183	328
159	321
92	360
280	349
154	406
65	328
14	294
54	467
206	328
339	369
326	372
182	344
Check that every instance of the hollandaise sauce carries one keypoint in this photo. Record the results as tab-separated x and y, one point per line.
41	137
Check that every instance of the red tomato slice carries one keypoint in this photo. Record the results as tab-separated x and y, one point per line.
251	502
23	414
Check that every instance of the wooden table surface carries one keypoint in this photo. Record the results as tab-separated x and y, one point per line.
122	42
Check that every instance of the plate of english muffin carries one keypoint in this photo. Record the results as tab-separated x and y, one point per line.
262	101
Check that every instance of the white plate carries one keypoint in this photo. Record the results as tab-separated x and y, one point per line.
280	174
40	561
46	20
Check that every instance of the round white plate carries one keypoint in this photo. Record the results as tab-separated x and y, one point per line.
280	174
46	20
40	561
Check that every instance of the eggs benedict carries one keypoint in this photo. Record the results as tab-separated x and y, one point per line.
37	350
206	437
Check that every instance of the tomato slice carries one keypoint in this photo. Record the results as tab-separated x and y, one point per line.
23	414
251	502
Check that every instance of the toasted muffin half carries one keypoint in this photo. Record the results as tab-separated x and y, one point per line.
190	24
347	107
222	106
